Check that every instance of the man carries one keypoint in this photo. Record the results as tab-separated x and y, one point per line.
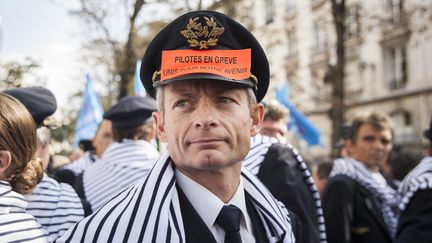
282	170
399	164
55	205
415	221
84	145
126	161
207	87
275	120
320	172
100	142
359	205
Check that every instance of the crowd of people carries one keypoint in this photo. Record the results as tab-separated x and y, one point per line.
228	173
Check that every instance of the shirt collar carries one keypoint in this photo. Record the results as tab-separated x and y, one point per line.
11	201
207	204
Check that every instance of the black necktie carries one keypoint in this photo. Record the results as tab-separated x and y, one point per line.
229	220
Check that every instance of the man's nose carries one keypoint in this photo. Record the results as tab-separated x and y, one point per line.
378	144
204	116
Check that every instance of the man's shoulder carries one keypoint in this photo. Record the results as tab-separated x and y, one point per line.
284	153
342	182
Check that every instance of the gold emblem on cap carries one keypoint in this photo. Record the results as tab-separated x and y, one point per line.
208	34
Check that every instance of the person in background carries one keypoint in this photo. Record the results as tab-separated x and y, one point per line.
359	205
103	138
320	172
100	142
415	220
399	164
55	205
283	171
84	145
20	171
275	120
207	72
126	161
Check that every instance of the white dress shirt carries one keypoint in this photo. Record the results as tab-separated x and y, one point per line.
208	206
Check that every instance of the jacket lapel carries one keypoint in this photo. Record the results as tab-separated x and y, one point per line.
258	228
195	229
373	207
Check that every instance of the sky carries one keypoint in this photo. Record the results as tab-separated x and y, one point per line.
44	30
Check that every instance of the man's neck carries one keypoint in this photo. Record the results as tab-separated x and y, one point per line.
372	168
223	183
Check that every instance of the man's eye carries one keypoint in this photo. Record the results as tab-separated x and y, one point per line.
224	100
180	103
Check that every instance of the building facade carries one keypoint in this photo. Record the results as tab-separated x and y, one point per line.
388	52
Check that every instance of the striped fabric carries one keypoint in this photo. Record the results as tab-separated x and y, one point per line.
150	212
79	165
387	196
259	146
56	206
419	178
15	224
121	166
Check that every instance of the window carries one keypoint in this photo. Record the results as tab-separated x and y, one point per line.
319	43
396	62
292	44
395	11
403	129
352	23
269	11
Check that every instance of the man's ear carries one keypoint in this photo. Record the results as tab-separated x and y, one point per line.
257	115
159	122
5	161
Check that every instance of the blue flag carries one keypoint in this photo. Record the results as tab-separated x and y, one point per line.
297	120
90	114
138	86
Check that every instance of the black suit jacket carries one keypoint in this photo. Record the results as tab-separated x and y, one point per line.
352	213
415	222
197	232
281	174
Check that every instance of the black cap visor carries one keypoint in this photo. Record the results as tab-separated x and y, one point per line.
248	83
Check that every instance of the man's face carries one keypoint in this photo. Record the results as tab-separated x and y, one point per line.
103	137
272	128
319	183
372	146
207	125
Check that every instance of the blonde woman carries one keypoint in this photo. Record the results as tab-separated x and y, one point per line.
19	172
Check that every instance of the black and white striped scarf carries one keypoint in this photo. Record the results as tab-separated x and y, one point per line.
56	206
81	164
387	196
419	178
15	224
121	166
259	146
150	212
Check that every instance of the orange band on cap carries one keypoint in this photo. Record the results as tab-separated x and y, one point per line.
232	64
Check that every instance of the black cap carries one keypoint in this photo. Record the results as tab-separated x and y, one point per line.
428	133
206	31
131	111
39	101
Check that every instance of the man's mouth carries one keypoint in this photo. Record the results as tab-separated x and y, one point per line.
205	142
